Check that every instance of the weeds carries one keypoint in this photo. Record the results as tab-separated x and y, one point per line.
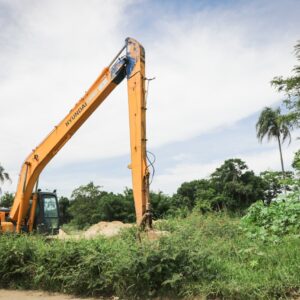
271	222
204	255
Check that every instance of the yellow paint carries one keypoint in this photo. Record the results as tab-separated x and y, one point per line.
7	227
98	92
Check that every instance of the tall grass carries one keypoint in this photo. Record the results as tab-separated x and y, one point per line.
203	256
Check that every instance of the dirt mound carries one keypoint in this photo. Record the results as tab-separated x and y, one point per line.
107	229
61	234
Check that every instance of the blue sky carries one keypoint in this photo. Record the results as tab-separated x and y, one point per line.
213	61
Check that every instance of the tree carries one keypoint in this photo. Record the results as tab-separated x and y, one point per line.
230	171
296	161
160	204
272	124
296	166
290	86
188	190
4	176
64	214
232	186
115	207
90	205
188	195
274	185
84	204
7	200
236	186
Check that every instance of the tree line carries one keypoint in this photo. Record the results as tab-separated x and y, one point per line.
232	187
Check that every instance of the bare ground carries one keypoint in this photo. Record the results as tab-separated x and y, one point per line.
39	295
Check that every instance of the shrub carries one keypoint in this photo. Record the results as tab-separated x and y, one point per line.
204	255
281	217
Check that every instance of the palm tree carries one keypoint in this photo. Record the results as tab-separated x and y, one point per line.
272	124
3	176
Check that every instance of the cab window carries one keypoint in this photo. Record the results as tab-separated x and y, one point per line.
50	207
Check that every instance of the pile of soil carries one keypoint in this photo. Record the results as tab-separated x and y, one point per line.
110	229
62	235
107	229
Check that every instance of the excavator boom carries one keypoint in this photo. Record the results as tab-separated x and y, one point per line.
130	65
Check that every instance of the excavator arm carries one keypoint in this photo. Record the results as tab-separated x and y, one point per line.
130	65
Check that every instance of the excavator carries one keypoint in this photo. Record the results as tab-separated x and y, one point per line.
34	210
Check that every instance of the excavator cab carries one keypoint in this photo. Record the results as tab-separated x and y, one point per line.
42	215
46	218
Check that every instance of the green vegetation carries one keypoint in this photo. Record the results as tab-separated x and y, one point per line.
208	255
232	187
6	200
279	218
272	124
90	205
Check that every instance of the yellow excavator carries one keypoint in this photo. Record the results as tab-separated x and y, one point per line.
34	210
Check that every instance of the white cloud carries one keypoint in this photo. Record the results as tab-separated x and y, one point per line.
173	177
180	157
212	67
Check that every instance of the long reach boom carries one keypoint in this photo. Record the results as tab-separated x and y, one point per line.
130	65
